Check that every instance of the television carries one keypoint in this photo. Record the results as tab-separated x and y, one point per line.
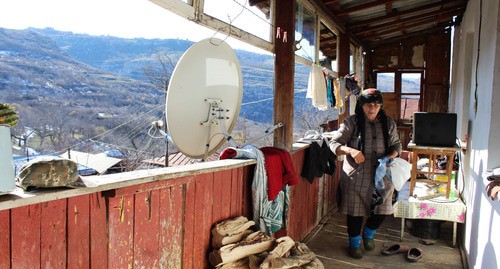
434	129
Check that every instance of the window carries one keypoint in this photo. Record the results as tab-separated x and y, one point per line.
305	33
386	82
240	14
327	55
410	94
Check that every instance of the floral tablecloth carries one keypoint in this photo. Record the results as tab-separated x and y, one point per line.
438	208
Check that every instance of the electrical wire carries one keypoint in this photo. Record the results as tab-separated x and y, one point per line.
477	58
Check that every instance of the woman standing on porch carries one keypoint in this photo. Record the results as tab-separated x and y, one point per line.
365	137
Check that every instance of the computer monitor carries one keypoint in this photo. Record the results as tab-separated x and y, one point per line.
434	129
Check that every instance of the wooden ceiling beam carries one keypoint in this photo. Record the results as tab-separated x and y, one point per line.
448	12
406	27
257	2
398	39
363	6
407	12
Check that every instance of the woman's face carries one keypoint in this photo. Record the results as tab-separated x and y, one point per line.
371	110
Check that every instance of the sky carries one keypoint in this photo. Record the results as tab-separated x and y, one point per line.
120	18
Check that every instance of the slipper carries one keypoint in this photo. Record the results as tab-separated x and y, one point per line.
396	249
427	242
414	254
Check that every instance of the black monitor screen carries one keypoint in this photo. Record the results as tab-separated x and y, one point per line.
434	129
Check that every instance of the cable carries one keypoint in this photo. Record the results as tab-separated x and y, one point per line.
478	49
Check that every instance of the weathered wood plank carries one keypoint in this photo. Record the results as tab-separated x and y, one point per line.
203	219
171	226
26	236
121	231
235	196
118	181
53	234
221	201
146	224
79	232
5	239
98	232
189	226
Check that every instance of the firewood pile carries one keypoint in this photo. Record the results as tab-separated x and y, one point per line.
236	246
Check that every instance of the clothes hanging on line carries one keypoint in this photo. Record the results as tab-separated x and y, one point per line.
316	88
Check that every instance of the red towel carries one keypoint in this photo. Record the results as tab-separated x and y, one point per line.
227	153
279	169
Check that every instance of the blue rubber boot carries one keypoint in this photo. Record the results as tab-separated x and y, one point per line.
355	247
368	241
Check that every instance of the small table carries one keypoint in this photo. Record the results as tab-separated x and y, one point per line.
433	153
440	208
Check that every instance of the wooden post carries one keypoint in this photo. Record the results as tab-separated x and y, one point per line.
284	68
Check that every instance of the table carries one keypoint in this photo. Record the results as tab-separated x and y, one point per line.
439	208
433	153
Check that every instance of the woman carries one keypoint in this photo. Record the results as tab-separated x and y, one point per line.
364	138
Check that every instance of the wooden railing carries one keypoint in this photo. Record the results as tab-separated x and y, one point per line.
158	218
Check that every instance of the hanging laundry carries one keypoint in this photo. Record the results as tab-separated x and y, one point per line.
351	83
338	98
316	88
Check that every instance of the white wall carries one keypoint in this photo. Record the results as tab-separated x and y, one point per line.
479	117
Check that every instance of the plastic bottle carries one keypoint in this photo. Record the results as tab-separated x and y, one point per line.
452	187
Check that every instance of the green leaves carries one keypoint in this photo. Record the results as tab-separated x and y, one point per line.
8	115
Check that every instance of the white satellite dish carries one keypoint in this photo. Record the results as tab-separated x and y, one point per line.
204	99
205	90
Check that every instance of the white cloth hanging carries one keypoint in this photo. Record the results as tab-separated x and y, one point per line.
316	88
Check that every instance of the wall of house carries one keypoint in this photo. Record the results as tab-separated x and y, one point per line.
475	75
157	218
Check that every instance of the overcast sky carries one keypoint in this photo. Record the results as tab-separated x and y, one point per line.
121	18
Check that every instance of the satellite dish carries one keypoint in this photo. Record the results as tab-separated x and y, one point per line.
204	98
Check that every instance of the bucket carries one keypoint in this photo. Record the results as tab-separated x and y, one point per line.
7	172
426	229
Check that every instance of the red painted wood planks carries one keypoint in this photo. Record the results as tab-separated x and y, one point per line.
171	227
146	229
4	239
98	232
25	236
79	232
121	231
189	225
203	219
53	234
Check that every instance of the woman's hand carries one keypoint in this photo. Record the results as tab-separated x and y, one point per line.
357	156
493	189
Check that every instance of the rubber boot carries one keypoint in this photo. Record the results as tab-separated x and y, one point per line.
368	241
355	247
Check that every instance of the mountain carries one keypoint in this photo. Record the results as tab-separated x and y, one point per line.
88	86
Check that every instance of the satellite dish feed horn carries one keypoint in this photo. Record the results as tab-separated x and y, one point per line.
204	99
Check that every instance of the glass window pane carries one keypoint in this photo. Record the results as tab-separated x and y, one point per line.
410	83
385	82
305	32
240	14
409	105
328	48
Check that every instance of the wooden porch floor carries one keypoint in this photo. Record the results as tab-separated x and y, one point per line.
329	242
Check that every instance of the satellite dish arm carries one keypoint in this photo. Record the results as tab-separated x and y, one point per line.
267	132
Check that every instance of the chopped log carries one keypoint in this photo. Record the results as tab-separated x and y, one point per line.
239	264
300	255
230	231
282	249
254	243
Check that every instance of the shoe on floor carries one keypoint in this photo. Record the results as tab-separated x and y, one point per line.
396	249
369	243
355	253
414	254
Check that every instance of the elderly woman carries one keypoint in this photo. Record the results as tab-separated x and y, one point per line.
364	138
